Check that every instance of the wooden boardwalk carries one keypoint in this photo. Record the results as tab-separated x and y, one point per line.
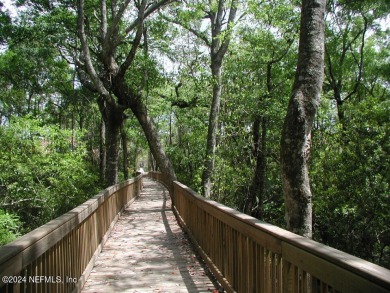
148	252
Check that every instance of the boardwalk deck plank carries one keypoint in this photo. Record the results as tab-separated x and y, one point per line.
148	252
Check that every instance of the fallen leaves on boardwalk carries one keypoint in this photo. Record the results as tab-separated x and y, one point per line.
148	252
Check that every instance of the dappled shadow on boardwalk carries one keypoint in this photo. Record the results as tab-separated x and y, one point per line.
148	252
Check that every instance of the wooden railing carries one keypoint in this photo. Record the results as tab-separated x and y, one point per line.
164	179
248	255
58	256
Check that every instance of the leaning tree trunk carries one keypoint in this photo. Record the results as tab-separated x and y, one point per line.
105	76
163	162
135	103
296	132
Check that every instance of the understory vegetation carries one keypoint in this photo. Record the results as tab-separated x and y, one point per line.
55	126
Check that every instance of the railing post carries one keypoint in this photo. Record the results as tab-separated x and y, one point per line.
247	255
67	246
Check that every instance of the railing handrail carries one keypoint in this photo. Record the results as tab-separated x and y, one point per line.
20	253
306	255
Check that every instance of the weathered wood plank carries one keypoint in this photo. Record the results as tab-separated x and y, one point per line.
336	276
36	242
296	272
147	251
63	247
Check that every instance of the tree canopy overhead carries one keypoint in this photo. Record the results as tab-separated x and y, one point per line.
199	90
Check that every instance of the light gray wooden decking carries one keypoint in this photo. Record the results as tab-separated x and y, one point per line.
148	252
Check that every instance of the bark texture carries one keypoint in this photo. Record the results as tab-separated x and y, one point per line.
302	107
102	151
100	71
113	120
125	154
154	141
335	77
254	202
218	47
211	144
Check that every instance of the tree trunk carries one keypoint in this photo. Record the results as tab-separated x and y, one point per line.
154	142
296	132
113	120
73	125
257	188
216	70
103	151
113	142
151	162
125	153
105	76
218	48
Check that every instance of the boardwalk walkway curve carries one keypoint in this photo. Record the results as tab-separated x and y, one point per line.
147	251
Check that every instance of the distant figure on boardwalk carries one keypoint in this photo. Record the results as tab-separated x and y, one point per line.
140	171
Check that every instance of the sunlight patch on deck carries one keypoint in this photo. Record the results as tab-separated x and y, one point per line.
148	252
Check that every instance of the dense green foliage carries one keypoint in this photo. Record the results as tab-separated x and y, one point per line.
43	172
351	207
10	227
50	129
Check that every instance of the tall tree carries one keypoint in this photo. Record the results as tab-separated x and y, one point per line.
105	61
349	26
218	46
346	36
222	17
273	52
302	107
349	168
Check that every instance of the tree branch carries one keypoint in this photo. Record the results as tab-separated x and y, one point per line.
152	8
83	76
17	202
136	41
330	75
103	24
116	19
225	44
360	62
281	56
196	33
98	85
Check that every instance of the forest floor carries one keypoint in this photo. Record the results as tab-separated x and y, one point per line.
147	251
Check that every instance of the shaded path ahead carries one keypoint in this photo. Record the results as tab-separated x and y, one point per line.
148	252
